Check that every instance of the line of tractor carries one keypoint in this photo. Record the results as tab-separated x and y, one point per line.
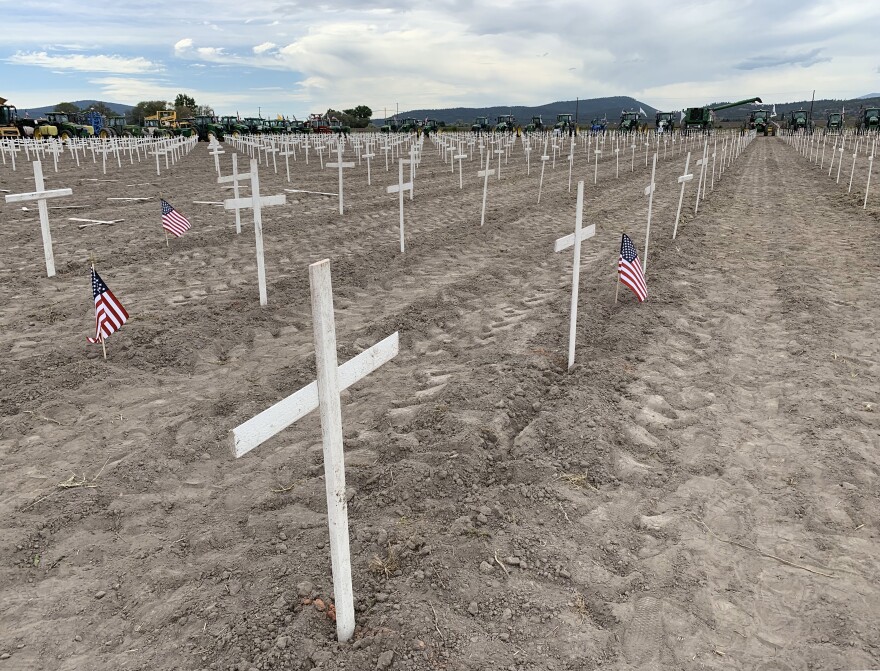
163	123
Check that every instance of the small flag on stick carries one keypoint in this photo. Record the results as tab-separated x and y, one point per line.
109	313
172	221
629	269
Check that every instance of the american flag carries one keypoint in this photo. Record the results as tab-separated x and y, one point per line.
172	221
109	313
629	269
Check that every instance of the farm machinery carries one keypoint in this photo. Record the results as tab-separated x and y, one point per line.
336	126
430	126
68	127
799	120
480	125
833	123
12	126
116	126
505	123
233	127
630	122
703	118
536	125
255	125
598	125
869	120
564	123
759	121
206	127
664	122
409	125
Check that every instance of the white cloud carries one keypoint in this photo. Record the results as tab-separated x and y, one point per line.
82	63
264	47
183	45
132	90
210	53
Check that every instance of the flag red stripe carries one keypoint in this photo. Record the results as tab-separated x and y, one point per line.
630	274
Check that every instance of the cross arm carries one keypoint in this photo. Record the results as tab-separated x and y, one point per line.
265	201
37	195
567	241
255	431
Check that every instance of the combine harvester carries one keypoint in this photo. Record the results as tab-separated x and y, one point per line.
703	118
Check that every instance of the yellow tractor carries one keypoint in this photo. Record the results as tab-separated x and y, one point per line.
12	126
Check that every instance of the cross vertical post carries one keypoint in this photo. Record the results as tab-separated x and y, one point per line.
684	179
340	165
649	191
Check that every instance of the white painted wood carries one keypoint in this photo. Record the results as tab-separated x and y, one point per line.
868	185
649	191
544	160
684	179
574	240
323	394
701	163
41	195
340	164
257	202
486	174
399	188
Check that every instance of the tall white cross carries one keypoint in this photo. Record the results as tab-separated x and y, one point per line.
574	240
649	191
324	394
215	149
235	178
868	185
368	155
702	163
459	157
41	195
684	179
399	188
486	174
340	165
598	153
544	160
257	202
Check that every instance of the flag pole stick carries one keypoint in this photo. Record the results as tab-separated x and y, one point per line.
103	346
616	287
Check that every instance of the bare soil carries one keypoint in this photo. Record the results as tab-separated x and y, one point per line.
699	492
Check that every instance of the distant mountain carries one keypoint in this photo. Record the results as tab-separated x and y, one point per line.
119	108
869	96
586	110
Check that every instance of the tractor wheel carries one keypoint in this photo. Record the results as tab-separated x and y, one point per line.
127	133
65	135
236	134
104	133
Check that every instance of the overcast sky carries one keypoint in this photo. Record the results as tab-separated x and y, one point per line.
297	57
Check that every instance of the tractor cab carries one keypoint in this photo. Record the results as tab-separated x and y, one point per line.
664	122
481	123
505	123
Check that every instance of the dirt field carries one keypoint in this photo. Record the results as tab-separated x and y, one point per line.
699	492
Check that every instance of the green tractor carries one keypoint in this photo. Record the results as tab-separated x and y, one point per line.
255	125
408	126
759	121
506	124
390	126
799	120
833	123
564	123
278	126
630	122
703	118
480	125
115	126
67	127
430	126
233	127
336	126
536	125
207	127
664	122
869	121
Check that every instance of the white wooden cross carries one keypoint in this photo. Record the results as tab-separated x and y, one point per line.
459	157
399	188
368	156
714	154
215	149
649	191
340	165
257	202
544	160
498	153
840	160
632	167
414	158
570	166
617	159
574	240
235	178
702	163
684	179
486	174
598	153
853	171
868	185
41	195
323	394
